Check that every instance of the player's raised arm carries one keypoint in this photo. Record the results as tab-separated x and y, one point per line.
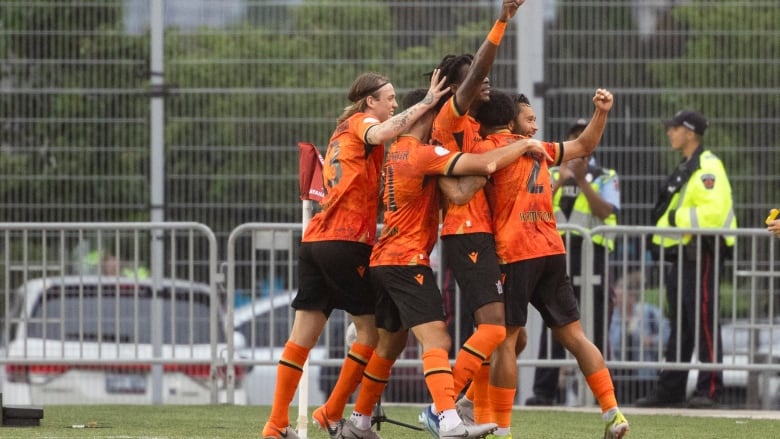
391	128
586	142
470	88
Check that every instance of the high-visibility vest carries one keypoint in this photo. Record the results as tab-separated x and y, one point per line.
581	214
704	201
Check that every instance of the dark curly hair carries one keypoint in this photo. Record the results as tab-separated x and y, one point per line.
413	97
451	67
520	98
498	111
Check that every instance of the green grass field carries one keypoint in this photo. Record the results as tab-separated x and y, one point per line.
221	421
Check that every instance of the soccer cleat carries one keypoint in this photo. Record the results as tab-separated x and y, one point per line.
468	431
430	420
617	427
320	418
271	431
351	431
465	408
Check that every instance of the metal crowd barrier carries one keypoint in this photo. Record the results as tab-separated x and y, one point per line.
252	289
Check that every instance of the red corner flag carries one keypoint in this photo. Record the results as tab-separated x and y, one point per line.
310	163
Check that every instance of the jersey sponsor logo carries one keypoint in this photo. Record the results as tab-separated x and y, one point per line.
474	256
441	151
708	180
419	278
361	269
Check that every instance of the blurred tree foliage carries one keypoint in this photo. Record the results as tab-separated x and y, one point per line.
739	61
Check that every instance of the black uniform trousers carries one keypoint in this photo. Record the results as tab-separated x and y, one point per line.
672	383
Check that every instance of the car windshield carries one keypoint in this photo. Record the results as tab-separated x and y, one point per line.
119	314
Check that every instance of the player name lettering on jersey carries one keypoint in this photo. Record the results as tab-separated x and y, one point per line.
537	216
394	156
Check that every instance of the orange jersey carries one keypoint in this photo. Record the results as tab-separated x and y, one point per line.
411	201
351	174
460	132
520	197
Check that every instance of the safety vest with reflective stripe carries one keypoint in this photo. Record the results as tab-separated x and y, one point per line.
704	201
581	215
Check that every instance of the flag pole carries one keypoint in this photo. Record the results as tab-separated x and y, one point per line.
303	388
310	163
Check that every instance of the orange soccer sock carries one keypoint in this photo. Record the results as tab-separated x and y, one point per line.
600	384
475	350
470	389
375	377
349	379
480	391
501	402
288	376
438	377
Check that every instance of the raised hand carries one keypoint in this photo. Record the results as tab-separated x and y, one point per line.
603	99
436	90
509	8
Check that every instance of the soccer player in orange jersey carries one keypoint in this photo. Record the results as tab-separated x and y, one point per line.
533	262
407	295
468	246
335	249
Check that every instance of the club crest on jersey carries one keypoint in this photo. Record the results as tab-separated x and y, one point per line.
441	151
708	180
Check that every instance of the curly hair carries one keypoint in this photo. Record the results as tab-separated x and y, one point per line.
521	99
451	66
414	97
498	111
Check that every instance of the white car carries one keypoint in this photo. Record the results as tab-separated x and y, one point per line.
83	340
263	327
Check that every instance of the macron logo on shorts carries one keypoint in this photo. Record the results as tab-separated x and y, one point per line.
474	256
361	270
419	278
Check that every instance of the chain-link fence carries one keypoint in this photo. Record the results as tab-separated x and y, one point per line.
244	81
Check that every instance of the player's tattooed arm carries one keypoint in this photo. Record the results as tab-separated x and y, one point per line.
398	124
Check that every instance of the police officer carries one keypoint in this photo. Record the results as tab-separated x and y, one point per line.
697	194
585	195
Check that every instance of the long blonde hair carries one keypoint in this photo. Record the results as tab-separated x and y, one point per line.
365	85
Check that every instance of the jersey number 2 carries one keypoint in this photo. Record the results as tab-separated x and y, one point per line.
531	186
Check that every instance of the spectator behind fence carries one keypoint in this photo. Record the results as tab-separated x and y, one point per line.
697	194
637	332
